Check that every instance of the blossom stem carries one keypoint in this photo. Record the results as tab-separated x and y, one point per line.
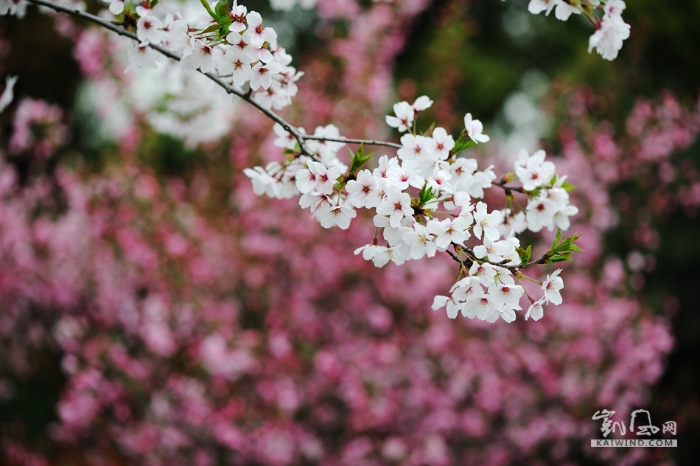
508	189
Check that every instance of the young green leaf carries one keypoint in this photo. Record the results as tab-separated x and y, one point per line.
359	159
463	143
206	6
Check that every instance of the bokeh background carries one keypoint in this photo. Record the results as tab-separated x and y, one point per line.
153	310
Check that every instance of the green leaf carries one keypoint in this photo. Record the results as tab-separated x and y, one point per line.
535	193
561	249
558	258
568	186
212	28
222	9
359	159
463	143
525	254
425	195
206	6
556	240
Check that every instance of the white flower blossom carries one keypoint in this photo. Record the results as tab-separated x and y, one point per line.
475	129
403	118
551	286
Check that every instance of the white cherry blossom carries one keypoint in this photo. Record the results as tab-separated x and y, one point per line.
149	30
535	310
361	189
330	215
449	231
317	179
198	55
259	35
403	118
475	129
485	223
540	213
420	240
414	147
450	304
422	103
396	204
262	75
551	286
236	63
441	143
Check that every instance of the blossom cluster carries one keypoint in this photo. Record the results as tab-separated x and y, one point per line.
423	204
611	30
234	44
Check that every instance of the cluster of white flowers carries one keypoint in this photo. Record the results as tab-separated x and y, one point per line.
611	30
426	199
488	293
234	44
278	179
548	201
423	200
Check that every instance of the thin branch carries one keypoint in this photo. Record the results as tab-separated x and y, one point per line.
105	24
454	256
294	131
513	268
509	189
353	141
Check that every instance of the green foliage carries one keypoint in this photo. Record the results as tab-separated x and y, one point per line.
425	195
206	6
463	143
561	249
525	254
359	159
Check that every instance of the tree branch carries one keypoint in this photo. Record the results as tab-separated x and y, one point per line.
513	268
291	129
509	189
354	141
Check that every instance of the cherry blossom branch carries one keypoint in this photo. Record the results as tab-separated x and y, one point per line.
513	268
246	96
332	196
